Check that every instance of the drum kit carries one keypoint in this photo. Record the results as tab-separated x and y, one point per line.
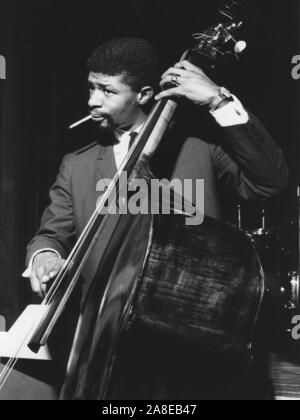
279	251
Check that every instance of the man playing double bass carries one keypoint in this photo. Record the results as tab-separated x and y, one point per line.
122	75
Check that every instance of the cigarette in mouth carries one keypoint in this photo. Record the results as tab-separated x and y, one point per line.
80	122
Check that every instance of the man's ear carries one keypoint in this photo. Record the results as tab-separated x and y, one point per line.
145	95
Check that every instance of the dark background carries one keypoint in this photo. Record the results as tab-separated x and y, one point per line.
46	44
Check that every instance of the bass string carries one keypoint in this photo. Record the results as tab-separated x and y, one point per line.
13	360
73	257
7	371
106	197
166	204
50	297
56	287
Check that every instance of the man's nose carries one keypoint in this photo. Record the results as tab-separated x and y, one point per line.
96	99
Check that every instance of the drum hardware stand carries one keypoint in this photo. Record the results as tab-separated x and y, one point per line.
240	225
293	303
294	276
263	231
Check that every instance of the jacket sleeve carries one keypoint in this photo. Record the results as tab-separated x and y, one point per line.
249	162
57	230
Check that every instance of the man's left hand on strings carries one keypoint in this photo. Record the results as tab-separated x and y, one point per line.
189	82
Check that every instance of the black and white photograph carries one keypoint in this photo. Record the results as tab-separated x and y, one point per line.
149	203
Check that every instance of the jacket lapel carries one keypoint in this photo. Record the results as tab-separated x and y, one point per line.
105	164
106	167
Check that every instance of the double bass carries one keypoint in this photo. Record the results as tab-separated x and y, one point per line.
171	317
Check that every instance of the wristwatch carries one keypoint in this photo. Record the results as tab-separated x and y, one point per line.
224	95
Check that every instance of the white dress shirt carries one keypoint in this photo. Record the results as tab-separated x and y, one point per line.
121	149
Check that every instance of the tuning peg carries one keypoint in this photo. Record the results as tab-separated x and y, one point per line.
240	47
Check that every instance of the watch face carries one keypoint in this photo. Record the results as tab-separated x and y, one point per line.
225	93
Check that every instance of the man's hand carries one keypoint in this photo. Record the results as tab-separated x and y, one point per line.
45	267
193	84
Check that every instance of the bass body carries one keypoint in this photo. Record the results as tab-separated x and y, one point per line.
179	325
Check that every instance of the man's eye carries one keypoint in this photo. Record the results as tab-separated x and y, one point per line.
108	92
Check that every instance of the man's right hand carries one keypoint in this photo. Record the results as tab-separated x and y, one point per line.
46	267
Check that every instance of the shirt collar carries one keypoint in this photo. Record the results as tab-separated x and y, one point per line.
120	133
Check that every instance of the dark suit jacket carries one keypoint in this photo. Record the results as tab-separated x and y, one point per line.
247	163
